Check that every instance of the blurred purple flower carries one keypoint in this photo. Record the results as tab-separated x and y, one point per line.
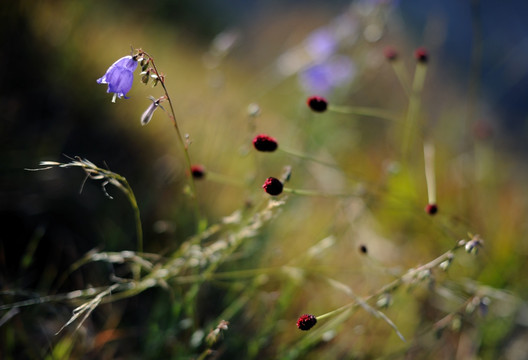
119	77
325	77
321	44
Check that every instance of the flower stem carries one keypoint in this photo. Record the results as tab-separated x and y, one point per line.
429	154
172	116
413	112
402	76
309	158
223	179
314	193
364	111
339	309
139	228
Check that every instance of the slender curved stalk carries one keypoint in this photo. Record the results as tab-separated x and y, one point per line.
181	139
401	74
364	111
315	193
309	158
132	198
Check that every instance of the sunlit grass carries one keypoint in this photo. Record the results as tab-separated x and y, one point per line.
259	262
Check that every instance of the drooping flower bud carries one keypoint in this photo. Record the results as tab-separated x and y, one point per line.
265	143
306	322
145	76
144	64
147	115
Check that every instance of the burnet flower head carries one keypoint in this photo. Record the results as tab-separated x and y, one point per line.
306	322
119	76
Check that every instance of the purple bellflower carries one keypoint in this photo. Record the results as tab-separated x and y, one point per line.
323	78
119	77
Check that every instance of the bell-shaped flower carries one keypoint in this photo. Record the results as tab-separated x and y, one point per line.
119	77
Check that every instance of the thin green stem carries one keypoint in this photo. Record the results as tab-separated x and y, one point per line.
139	228
430	178
314	193
401	74
309	158
223	179
238	274
364	111
413	111
339	309
127	190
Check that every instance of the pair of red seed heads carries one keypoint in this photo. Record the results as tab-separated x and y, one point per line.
272	185
261	142
421	54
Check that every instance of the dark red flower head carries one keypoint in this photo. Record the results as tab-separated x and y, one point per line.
317	103
421	55
265	143
272	186
306	322
482	130
431	209
198	171
390	53
363	249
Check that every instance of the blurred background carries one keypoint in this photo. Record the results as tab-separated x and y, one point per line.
219	59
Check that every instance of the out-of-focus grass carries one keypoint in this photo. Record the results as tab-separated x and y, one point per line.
480	190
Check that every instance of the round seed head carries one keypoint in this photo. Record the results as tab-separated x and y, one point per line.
306	322
273	186
421	55
317	103
198	171
265	143
390	53
431	209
